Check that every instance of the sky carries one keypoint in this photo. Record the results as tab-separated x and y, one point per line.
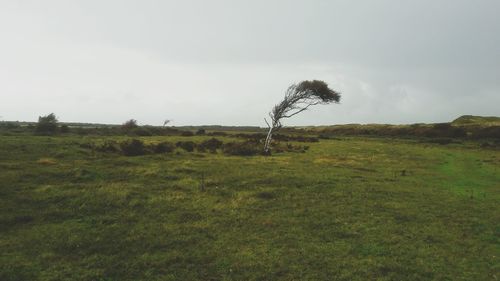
227	62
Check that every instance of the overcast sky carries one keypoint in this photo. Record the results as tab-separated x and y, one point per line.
228	62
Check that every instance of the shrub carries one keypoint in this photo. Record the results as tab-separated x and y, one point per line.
212	145
186	145
242	148
200	132
133	147
47	125
187	134
164	147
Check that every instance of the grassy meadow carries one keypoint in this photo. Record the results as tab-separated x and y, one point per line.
349	208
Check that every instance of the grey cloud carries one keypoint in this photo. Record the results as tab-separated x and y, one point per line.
227	61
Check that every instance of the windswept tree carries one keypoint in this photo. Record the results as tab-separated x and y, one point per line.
130	124
298	98
166	122
47	125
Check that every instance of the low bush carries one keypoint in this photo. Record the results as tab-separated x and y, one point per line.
242	148
186	145
47	125
212	145
133	147
164	147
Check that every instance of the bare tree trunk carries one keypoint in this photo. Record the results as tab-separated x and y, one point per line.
267	144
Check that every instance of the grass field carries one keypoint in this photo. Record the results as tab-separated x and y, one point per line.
347	209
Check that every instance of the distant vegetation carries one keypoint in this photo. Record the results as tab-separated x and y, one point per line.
461	128
477	120
483	129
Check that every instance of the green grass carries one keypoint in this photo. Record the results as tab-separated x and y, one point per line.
345	210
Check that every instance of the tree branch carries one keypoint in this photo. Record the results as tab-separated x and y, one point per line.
269	126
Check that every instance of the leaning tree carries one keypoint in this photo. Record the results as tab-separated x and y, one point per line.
298	97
